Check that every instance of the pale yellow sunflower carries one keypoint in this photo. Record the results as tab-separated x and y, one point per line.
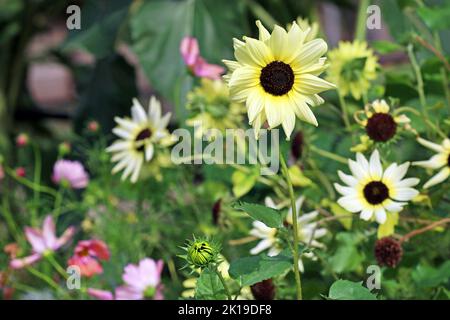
277	76
352	66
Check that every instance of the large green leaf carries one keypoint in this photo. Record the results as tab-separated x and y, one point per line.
157	28
347	257
100	25
428	277
209	286
270	217
251	270
108	94
348	290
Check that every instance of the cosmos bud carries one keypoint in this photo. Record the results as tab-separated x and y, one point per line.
21	172
216	211
93	126
201	252
297	145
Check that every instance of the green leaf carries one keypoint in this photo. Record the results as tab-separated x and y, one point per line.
347	257
427	277
100	27
209	286
385	47
157	28
270	217
251	270
243	182
437	18
349	290
337	210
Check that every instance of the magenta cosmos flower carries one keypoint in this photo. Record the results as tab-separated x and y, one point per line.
71	173
43	242
88	254
190	52
142	281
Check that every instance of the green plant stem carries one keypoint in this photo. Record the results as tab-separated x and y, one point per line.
227	291
30	184
344	111
261	13
44	278
327	154
419	80
360	33
57	204
295	253
37	181
50	258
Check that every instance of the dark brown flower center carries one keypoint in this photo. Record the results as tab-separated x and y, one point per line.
277	78
139	140
381	127
376	192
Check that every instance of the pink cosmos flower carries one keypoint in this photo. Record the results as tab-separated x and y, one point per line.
190	52
100	294
71	172
43	241
142	281
87	256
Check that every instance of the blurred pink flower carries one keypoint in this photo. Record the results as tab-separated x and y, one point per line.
142	281
22	140
87	256
43	241
100	294
21	172
71	172
190	52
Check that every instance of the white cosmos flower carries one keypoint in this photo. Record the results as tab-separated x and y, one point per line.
137	137
439	160
371	190
307	230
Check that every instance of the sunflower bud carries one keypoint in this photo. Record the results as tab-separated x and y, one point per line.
388	252
264	290
201	252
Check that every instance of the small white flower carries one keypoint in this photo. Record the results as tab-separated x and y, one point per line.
137	138
371	190
307	230
439	160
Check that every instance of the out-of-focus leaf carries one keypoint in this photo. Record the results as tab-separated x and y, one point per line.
298	178
349	290
436	18
251	270
384	47
100	23
347	257
157	28
243	182
427	277
337	210
388	228
269	216
109	94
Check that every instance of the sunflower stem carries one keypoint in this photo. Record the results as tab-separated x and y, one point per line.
219	274
295	227
360	33
344	111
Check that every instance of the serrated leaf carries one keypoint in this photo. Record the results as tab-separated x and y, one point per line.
251	270
209	286
349	290
269	216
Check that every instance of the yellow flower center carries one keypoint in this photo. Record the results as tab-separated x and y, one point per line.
277	78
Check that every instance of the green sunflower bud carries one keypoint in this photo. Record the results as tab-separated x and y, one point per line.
201	252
